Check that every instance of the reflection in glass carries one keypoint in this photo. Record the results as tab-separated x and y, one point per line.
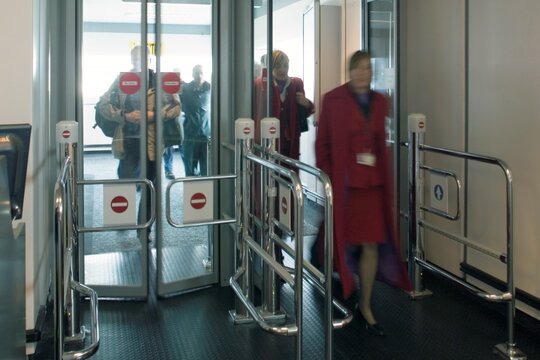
111	29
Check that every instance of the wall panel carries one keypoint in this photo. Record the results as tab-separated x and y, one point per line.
504	113
434	84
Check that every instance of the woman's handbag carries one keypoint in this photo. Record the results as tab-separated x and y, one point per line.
303	118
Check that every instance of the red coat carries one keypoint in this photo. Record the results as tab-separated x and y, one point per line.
341	136
289	139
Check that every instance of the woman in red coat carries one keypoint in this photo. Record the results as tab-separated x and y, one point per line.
351	149
288	100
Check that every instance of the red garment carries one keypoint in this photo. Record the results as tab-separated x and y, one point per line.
365	208
343	135
286	112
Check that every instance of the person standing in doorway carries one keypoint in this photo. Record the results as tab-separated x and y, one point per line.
288	104
126	110
195	100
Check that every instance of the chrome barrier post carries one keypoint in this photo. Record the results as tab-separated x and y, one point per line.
417	127
58	261
270	308
67	136
244	133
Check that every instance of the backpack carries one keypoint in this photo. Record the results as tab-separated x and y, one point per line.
107	126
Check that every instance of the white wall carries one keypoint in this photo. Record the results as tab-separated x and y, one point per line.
16	102
471	68
504	113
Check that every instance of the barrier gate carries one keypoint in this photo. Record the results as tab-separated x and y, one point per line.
274	172
66	285
416	258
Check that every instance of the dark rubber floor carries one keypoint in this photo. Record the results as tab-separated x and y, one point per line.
448	325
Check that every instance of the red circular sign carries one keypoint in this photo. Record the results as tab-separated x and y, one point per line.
119	204
129	83
247	130
284	206
421	124
170	83
198	201
272	130
66	134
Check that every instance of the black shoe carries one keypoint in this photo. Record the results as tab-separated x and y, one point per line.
372	329
169	175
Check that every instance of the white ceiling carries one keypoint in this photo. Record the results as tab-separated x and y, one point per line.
118	11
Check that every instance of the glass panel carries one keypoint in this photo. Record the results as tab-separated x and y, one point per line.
293	34
382	47
292	77
186	254
110	258
110	71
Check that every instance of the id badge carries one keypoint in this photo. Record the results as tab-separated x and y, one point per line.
367	159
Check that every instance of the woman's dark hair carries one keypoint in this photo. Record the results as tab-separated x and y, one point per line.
357	57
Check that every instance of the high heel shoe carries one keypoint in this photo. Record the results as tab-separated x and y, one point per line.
372	329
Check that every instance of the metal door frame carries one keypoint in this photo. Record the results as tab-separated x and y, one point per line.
74	10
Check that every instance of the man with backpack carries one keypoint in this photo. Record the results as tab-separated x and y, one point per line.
125	109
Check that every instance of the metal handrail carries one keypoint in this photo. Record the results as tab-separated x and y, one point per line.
62	197
509	347
328	248
145	225
296	282
275	168
460	239
477	291
94	321
194	179
279	330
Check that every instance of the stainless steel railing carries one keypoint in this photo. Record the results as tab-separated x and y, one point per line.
322	282
277	169
65	237
416	257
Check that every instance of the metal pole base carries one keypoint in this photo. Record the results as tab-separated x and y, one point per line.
509	352
277	317
419	294
77	338
240	319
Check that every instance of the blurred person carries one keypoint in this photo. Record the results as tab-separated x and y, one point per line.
126	110
195	98
351	148
168	152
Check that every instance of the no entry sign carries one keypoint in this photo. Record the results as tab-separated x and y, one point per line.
119	204
198	201
170	82
67	132
129	83
284	206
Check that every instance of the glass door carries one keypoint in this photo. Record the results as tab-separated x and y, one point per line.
381	43
380	37
147	67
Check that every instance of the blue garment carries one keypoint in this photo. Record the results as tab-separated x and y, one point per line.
196	107
168	159
195	157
